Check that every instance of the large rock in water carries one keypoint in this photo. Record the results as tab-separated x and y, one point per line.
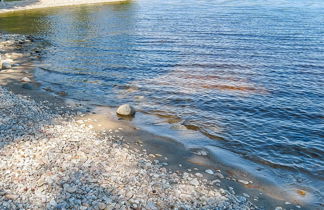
126	110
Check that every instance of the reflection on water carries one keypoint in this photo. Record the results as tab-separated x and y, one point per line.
249	74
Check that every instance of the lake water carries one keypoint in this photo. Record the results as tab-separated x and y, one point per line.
248	76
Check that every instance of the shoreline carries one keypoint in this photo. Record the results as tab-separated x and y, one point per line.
40	124
15	6
175	153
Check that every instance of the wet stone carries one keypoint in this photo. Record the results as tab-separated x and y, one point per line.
27	86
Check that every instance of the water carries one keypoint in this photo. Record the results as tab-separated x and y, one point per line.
248	75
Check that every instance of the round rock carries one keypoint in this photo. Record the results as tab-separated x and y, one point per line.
126	110
6	65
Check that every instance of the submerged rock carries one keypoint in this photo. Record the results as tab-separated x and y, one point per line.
178	127
62	93
126	110
27	86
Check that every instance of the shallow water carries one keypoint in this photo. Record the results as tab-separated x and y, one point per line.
248	75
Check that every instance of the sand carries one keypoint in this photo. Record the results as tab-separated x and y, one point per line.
38	4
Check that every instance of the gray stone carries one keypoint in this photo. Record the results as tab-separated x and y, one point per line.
219	175
198	174
11	196
126	110
209	171
215	181
6	65
25	79
243	181
246	195
101	205
241	199
194	182
68	188
53	203
178	127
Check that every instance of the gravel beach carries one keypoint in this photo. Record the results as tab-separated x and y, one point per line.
50	160
61	154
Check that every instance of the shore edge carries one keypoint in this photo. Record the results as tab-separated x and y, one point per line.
11	7
152	144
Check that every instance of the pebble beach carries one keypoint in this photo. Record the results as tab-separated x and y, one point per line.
50	159
55	154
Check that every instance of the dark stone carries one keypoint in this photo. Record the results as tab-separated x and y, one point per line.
27	86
